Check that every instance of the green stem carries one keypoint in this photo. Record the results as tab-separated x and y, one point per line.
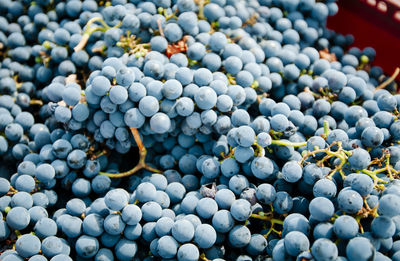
358	219
389	81
85	38
255	85
326	128
88	31
201	9
267	218
372	174
258	151
289	143
203	257
96	19
141	164
337	168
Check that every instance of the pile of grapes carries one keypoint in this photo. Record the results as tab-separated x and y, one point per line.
193	130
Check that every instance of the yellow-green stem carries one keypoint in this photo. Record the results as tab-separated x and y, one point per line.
141	164
326	128
289	143
267	218
390	80
372	174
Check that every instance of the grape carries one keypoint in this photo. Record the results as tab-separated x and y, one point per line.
151	211
239	236
321	208
61	148
4	186
290	71
223	221
164	226
206	208
160	123
205	236
188	252
240	209
243	154
22	199
145	192
279	122
323	230
257	244
324	188
118	94
372	137
148	106
28	245
383	227
296	222
229	101
183	231
362	184
167	247
202	77
266	193
173	32
133	232
93	225
205	98
210	168
116	199
45	227
345	227
13	131
87	246
76	207
113	224
76	159
388	205
188	204
18	218
52	246
324	249
262	167
360	248
245	136
71	96
71	226
387	102
292	171
100	85
184	106
4	230
25	183
224	103
104	253
134	118
295	242
349	201
224	198
41	258
62	114
311	174
283	202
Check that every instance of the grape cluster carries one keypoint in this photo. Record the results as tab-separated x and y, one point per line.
193	130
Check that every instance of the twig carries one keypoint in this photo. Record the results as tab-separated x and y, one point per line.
141	164
388	81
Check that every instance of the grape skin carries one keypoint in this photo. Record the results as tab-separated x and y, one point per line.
228	100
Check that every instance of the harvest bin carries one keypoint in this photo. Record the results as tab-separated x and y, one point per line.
374	23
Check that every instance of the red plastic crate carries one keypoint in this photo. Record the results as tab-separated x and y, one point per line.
374	23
